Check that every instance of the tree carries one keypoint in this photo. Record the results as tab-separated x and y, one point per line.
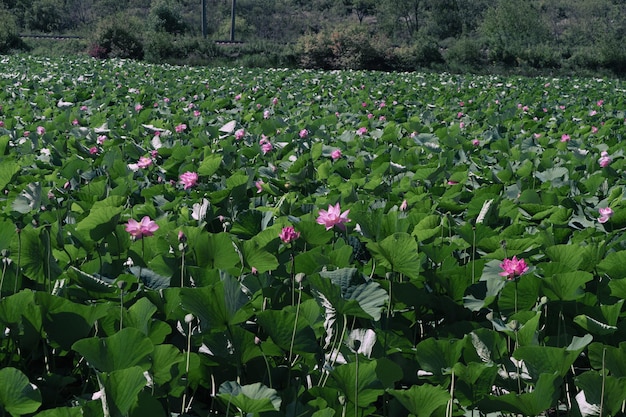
9	34
514	30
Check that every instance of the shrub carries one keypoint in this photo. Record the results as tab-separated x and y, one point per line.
465	54
118	37
9	34
165	17
350	47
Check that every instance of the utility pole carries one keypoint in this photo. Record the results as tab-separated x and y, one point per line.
232	22
204	19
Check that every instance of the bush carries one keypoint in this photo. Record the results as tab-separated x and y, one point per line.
465	54
9	34
162	47
351	47
165	17
117	38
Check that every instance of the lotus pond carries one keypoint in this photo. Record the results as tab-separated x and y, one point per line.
189	242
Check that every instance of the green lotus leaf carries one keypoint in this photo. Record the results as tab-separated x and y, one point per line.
125	349
17	395
422	400
253	398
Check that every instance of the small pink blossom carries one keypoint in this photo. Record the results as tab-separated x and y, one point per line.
266	114
370	115
26	133
144	162
450	182
361	131
238	97
275	101
303	133
180	128
513	267
181	236
565	137
188	179
364	104
166	100
259	186
254	271
335	154
605	159
41	130
382	118
93	150
594	129
593	113
239	134
605	214
459	115
475	142
75	122
333	217
138	107
154	153
83	108
537	135
1	123
462	125
600	103
403	205
381	105
100	139
266	145
196	113
146	227
288	234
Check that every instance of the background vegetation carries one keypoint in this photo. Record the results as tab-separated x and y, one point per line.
537	36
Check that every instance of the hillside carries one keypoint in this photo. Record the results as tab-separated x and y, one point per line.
584	36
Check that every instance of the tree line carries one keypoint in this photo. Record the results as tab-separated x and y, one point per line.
579	36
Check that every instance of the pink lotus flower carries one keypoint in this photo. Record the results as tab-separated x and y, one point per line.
26	133
605	159
513	267
93	150
259	186
75	122
275	101
266	145
475	142
146	227
600	103
288	234
188	179
238	97
333	217
138	107
361	131
266	114
144	162
196	113
335	154
303	133
1	123
180	128
565	137
404	205
239	134
605	214
41	130
100	139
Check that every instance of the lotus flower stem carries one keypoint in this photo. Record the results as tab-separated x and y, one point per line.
603	382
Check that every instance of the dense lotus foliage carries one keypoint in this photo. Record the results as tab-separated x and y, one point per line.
193	241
